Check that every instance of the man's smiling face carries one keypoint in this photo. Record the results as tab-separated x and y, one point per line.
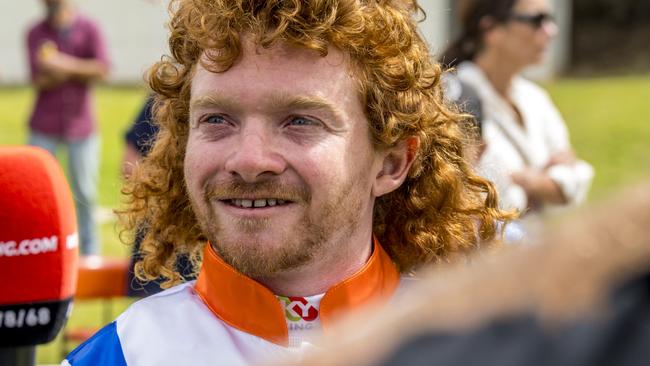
279	165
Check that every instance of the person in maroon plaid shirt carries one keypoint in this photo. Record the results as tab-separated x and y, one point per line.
67	54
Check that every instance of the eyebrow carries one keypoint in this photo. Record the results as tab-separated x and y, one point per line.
276	102
213	100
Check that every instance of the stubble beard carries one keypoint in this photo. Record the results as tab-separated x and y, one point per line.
301	245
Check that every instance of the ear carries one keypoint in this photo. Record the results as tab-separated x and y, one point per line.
486	23
396	164
489	28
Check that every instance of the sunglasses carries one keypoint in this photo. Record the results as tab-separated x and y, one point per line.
535	20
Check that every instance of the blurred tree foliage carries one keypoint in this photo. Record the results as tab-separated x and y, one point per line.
619	12
610	37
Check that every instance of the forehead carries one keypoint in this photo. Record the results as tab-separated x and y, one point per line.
281	69
532	6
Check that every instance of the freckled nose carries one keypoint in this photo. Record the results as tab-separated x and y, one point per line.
254	157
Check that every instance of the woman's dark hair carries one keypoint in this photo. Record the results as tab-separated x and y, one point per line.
470	42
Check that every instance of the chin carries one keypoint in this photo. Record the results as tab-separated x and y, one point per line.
543	54
264	240
259	256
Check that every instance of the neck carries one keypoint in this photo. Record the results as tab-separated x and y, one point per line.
498	71
62	18
326	269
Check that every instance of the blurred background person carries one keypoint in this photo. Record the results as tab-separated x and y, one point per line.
139	137
528	154
138	141
67	54
468	101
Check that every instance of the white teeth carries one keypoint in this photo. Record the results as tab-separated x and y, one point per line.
264	202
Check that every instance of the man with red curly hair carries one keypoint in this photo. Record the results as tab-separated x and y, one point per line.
305	159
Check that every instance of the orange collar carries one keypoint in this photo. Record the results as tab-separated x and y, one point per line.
247	305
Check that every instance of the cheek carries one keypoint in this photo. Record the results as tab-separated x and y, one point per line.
197	166
189	172
519	47
322	170
349	165
542	38
363	156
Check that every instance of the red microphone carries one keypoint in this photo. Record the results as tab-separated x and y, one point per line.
38	247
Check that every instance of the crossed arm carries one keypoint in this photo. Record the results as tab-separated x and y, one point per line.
60	67
539	186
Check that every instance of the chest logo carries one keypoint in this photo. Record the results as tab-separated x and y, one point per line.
298	308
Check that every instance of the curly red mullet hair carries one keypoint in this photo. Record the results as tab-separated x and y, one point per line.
443	209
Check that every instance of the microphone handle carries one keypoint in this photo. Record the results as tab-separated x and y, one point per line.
18	356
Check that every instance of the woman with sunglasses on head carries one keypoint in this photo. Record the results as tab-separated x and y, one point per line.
528	154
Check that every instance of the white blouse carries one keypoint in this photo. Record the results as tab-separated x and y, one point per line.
511	147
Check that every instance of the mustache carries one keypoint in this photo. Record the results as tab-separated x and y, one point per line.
270	188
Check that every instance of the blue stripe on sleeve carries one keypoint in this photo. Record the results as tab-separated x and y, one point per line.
102	349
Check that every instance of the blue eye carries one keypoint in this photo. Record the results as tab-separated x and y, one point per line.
301	121
215	119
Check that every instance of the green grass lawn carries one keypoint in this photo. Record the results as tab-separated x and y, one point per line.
608	122
607	118
116	109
